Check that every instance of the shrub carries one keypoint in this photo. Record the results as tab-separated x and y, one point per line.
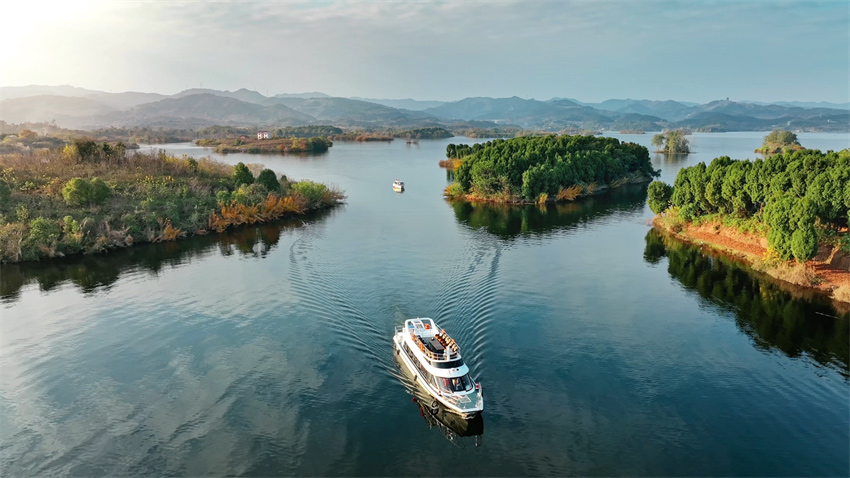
570	193
453	190
5	193
43	235
222	197
100	191
242	175
313	192
77	192
248	194
845	243
11	237
71	226
268	179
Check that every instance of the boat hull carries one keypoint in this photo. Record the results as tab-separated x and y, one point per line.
424	384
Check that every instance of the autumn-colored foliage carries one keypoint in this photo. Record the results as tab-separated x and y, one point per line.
570	193
171	233
273	207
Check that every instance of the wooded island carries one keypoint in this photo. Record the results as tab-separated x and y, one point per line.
545	168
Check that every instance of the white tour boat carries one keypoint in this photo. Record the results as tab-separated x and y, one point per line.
398	185
434	359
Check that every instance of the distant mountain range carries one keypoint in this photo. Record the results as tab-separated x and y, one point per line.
80	108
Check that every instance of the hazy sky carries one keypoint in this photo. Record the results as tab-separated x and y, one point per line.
690	51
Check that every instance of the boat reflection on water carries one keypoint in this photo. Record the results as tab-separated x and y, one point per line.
453	427
456	429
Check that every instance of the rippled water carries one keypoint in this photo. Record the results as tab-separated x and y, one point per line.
602	348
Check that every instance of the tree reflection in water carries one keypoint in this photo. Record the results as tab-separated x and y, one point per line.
508	220
795	321
95	272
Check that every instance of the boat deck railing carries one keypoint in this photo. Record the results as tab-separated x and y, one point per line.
418	329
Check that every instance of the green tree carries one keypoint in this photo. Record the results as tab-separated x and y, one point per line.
804	243
242	175
659	196
268	179
792	227
673	141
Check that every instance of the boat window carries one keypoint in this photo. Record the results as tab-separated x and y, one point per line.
461	384
450	364
442	383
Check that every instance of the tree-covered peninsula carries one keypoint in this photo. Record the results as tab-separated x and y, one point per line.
91	197
545	168
797	201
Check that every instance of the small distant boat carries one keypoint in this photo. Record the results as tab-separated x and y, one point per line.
434	359
398	185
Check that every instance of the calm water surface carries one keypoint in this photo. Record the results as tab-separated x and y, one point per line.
602	348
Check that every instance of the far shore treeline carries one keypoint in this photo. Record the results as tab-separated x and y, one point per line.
91	197
545	168
310	139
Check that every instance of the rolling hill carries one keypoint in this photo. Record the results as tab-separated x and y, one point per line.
204	109
80	108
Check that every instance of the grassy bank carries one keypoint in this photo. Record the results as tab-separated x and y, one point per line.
91	197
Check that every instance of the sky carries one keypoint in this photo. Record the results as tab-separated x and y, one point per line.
694	50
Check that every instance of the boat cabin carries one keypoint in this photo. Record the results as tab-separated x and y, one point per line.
439	351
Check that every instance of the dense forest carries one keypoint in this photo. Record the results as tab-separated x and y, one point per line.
539	169
802	197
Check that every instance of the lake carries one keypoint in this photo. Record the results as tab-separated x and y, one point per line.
602	348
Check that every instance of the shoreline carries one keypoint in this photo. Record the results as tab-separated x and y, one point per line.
586	191
117	243
827	273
